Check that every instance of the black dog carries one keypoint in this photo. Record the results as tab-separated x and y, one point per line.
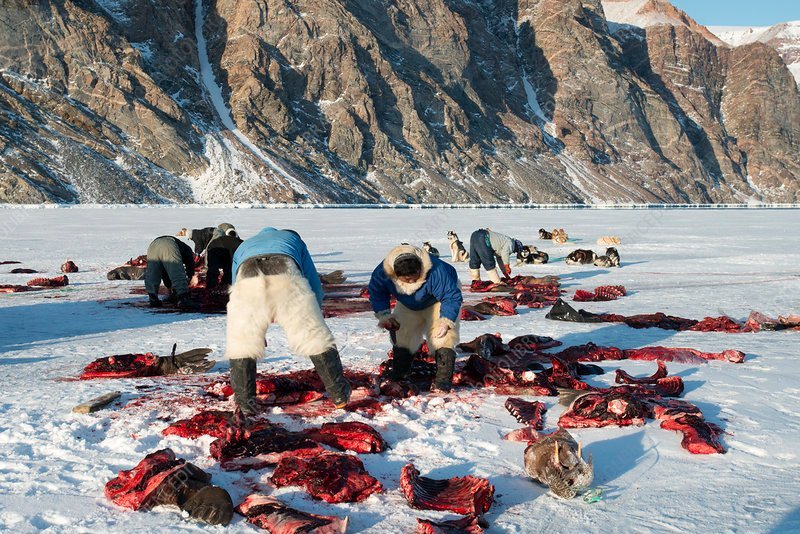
581	257
531	256
610	259
544	234
430	249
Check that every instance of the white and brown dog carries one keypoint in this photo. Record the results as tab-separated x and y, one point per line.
457	250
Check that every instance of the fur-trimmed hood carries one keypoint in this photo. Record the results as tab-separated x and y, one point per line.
388	268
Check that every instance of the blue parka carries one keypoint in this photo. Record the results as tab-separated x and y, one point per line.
439	283
273	241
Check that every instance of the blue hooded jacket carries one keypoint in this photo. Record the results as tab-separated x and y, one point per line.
273	241
439	283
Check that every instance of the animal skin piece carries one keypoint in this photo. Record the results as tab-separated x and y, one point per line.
275	517
594	353
349	436
481	372
69	267
466	525
331	477
138	487
467	495
215	423
621	407
600	294
58	281
530	413
261	448
122	366
12	288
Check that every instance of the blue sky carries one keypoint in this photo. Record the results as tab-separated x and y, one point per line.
740	12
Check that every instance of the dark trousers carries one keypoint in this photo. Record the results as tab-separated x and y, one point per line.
480	252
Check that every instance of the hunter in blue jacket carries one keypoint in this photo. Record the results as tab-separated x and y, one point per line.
429	299
275	281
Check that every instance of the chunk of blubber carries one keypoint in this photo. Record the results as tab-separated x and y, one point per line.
97	403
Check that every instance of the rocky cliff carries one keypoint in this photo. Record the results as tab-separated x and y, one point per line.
387	101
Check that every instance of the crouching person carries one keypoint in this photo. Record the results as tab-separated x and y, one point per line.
172	261
275	281
491	250
429	300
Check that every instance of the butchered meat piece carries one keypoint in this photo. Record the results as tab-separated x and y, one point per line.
615	407
482	372
209	423
699	436
682	355
467	495
527	412
262	448
332	477
465	525
351	436
272	515
138	487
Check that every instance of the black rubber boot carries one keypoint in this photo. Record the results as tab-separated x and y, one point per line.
154	302
401	363
186	302
329	368
445	363
243	383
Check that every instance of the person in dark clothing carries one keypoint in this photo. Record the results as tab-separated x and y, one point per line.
219	257
201	237
428	304
172	261
491	250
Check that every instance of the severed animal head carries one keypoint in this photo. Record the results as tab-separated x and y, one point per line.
555	460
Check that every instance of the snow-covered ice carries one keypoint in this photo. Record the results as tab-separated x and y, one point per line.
54	464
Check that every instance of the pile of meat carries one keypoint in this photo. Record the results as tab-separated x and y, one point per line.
600	294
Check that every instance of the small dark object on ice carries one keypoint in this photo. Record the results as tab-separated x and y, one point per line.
332	477
333	278
58	281
9	262
466	525
528	413
23	271
272	515
555	460
69	267
467	495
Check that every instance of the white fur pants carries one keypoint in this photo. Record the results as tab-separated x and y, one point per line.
414	325
258	301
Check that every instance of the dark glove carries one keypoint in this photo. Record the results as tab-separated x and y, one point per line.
189	362
211	505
